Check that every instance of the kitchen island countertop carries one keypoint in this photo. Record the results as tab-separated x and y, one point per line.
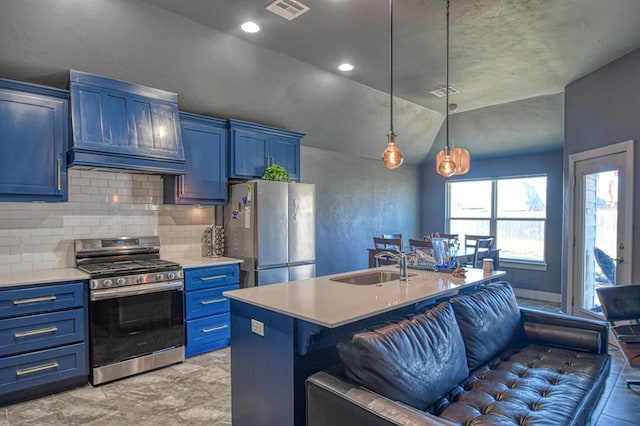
332	304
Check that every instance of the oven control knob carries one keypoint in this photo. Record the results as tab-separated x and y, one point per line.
107	283
121	281
160	277
140	279
171	275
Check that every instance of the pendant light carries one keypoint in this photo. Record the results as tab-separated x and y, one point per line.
460	155
451	161
392	156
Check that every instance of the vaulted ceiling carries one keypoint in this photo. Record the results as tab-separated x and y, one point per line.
511	59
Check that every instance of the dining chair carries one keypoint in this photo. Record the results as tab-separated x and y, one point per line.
449	236
621	309
414	244
493	254
386	244
470	242
391	236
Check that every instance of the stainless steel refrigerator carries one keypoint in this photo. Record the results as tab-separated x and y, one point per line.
271	226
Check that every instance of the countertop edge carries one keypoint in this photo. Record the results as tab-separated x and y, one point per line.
237	296
42	277
200	262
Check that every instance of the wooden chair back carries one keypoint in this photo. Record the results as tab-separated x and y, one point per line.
493	254
470	242
386	244
414	244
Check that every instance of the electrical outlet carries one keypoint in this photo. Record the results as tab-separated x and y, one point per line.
257	327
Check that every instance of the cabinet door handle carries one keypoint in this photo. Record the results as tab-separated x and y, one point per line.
181	178
30	333
59	173
209	330
37	369
214	277
34	300
209	302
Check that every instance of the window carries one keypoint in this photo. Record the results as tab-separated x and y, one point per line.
512	209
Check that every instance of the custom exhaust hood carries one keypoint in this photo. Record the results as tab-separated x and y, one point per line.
126	126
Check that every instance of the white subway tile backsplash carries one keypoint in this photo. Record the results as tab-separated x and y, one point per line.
37	236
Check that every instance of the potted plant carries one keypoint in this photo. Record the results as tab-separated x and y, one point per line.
275	172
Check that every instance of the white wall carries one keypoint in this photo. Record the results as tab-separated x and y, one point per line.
101	204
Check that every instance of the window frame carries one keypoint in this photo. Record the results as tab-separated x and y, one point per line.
493	219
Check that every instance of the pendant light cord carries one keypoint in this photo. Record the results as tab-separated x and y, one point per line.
447	86
391	66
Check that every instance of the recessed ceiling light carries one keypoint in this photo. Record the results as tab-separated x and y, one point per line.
250	27
345	67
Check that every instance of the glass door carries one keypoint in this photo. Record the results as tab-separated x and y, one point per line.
599	230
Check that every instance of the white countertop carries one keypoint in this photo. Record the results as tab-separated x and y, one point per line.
197	262
48	276
44	276
332	304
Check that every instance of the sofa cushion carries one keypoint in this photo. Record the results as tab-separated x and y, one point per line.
535	385
414	361
489	321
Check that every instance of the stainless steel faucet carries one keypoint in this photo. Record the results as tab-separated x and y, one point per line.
399	257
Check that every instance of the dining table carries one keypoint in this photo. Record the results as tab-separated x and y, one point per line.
462	258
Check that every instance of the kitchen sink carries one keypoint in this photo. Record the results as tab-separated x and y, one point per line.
369	277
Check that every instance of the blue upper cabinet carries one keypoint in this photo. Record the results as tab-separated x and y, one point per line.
34	125
253	147
205	149
124	126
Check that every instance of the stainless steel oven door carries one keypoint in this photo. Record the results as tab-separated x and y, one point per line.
134	321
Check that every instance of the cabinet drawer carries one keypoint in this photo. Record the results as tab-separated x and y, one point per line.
41	298
201	278
208	302
38	368
209	329
41	331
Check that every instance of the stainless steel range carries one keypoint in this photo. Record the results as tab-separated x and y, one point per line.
135	306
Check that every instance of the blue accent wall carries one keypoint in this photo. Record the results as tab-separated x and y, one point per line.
601	109
550	163
357	199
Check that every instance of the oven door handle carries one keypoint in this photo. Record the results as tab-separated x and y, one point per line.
112	293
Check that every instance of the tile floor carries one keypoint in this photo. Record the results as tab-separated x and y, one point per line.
197	392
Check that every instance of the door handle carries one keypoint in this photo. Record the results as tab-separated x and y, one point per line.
59	186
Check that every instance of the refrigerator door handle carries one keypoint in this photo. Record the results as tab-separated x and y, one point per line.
294	209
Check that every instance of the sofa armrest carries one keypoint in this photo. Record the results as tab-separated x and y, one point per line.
565	331
332	400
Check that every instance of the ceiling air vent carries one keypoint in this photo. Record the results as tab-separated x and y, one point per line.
288	9
442	91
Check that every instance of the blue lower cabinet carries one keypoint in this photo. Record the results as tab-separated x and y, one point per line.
207	334
208	302
32	369
41	331
206	308
43	340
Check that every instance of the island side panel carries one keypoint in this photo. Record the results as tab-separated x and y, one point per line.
262	390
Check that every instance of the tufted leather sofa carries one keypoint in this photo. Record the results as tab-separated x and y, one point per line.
476	359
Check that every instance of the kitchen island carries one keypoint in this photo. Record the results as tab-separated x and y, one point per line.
283	333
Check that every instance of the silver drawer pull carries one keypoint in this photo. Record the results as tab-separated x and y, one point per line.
208	302
209	330
215	277
37	369
34	300
29	333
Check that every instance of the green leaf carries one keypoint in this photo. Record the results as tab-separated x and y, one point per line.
275	172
